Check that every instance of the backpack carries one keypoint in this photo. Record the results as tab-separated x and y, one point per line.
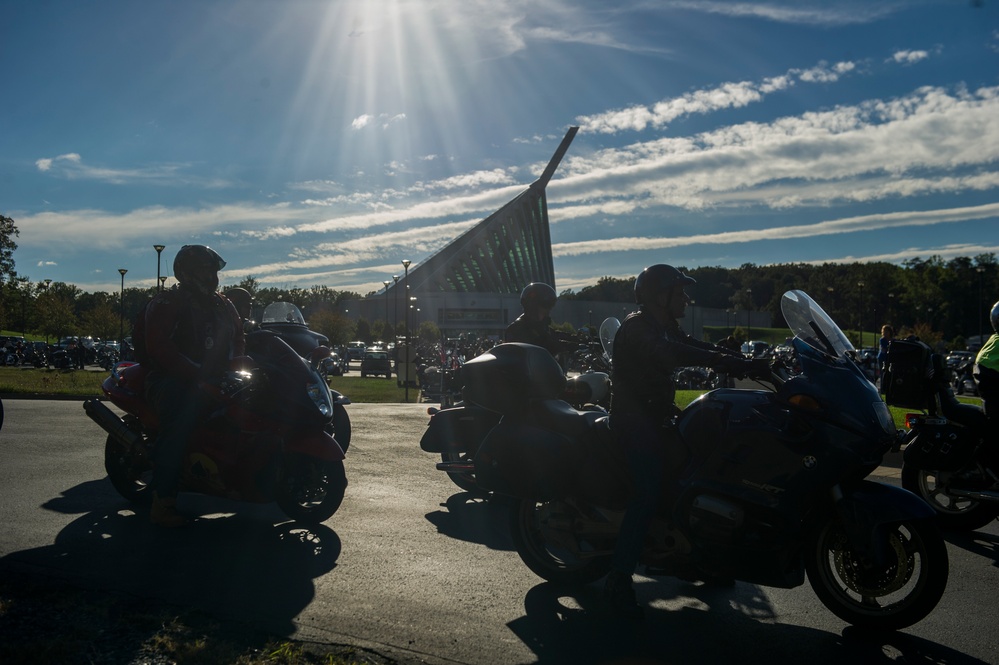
908	375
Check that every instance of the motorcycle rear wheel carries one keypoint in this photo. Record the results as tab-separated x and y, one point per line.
893	597
310	489
953	512
546	559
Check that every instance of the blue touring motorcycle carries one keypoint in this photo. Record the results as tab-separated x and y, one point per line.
773	488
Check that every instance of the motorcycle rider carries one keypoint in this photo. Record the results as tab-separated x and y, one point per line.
191	334
534	325
648	348
987	377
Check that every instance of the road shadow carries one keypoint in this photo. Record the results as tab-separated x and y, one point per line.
983	544
475	517
236	561
700	625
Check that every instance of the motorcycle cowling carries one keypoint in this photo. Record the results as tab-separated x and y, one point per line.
945	447
509	376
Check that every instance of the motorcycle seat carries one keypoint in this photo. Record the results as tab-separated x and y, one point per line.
560	416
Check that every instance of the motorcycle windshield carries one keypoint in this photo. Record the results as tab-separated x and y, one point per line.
608	329
812	325
282	312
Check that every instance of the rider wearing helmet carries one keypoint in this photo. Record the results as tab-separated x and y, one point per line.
534	325
648	348
987	369
192	333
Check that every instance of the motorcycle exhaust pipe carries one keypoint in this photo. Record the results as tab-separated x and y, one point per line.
111	423
976	495
464	466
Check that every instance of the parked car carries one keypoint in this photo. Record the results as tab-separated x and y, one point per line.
376	362
755	348
355	351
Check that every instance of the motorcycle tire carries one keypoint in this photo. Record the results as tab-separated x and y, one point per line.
129	478
339	427
465	481
548	560
892	597
954	513
311	489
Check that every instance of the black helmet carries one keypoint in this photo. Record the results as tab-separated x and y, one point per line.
538	295
658	278
994	317
241	300
196	267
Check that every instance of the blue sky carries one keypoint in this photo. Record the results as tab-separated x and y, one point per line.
323	142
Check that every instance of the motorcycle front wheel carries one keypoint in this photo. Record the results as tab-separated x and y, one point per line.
544	537
899	592
954	513
311	489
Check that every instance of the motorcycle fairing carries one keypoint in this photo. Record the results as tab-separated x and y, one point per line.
316	444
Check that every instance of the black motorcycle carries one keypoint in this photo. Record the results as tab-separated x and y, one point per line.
946	456
774	487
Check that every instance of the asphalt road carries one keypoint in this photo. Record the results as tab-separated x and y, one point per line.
421	571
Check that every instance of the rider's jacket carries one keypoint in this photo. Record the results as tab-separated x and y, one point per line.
989	355
538	333
192	337
646	354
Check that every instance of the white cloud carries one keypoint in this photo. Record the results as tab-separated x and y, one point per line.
909	57
361	121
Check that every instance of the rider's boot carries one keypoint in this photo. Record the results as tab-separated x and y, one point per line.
163	512
620	594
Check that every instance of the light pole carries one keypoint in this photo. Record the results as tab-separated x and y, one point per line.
162	282
121	318
860	314
981	307
159	250
405	265
386	283
749	317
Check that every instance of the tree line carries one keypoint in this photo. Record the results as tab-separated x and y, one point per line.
937	299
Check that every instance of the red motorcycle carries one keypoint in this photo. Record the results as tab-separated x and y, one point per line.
273	436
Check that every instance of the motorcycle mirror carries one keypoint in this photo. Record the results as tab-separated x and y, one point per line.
608	329
318	354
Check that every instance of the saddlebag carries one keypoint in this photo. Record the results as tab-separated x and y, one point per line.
945	447
509	376
458	430
908	375
551	452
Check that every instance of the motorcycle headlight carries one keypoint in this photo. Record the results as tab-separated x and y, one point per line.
883	414
320	396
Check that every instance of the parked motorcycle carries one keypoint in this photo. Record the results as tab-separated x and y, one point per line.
946	456
274	437
457	429
773	489
285	319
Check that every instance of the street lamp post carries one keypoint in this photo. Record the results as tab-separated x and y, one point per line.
860	314
981	307
386	283
405	265
121	317
749	317
159	250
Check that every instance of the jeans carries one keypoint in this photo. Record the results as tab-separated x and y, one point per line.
179	406
647	455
